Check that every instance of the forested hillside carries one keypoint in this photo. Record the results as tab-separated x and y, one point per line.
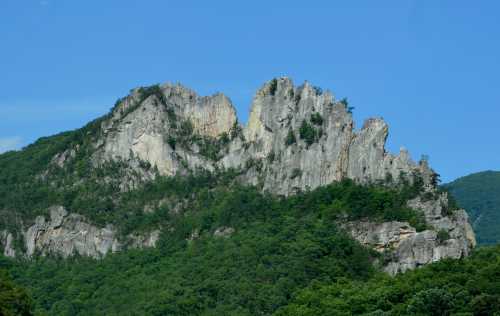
241	252
236	252
167	206
14	301
479	194
451	287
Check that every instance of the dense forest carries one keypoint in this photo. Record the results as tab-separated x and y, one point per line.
297	272
279	245
479	194
14	301
284	256
468	286
225	248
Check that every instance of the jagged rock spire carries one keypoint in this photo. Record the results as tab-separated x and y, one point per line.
299	136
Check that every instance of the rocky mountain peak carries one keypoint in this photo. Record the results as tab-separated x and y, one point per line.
297	137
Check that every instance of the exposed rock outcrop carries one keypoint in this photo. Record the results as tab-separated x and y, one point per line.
68	234
140	128
7	241
296	137
405	248
223	232
144	241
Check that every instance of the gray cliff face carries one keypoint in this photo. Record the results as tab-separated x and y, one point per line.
297	138
69	234
334	152
405	248
140	129
7	240
325	145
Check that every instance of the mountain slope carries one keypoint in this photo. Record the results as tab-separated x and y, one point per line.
479	194
236	251
14	301
190	213
110	185
449	287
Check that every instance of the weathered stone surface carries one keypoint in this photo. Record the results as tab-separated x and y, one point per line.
406	248
297	138
68	234
144	241
224	232
7	240
139	130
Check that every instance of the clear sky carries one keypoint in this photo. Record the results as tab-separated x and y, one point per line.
429	68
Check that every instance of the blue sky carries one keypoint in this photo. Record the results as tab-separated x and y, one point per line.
429	68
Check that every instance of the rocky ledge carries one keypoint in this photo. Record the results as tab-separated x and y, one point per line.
69	234
403	248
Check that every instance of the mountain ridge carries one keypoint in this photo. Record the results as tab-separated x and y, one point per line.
297	139
295	124
479	194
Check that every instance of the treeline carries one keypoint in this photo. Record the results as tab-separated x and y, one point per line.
463	287
278	247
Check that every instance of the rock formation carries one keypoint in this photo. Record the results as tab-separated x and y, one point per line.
405	248
297	138
68	234
7	240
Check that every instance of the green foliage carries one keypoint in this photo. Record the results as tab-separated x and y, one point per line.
209	147
172	117
171	141
271	157
14	301
479	194
296	173
224	138
290	138
236	131
280	246
308	133
347	199
432	302
318	90
145	92
254	163
273	86
30	182
186	128
316	119
297	98
469	286
345	103
442	236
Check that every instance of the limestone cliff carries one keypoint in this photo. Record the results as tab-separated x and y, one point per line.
297	138
448	236
69	234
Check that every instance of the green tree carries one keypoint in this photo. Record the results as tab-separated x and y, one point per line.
14	301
